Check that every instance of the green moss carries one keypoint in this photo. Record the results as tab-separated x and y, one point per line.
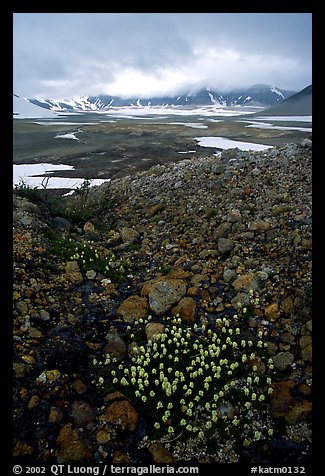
89	257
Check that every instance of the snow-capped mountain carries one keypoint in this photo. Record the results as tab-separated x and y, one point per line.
23	108
257	95
299	104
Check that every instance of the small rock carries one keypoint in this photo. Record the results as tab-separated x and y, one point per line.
196	268
120	457
133	308
287	306
56	415
304	341
179	273
112	397
88	227
228	275
247	191
81	414
160	454
193	291
163	293
216	168
309	325
269	271
72	445
272	348
153	329
234	216
307	244
60	223
123	414
186	309
223	230
256	172
246	282
52	375
103	437
73	272
79	387
205	254
287	337
34	333
282	399
227	409
154	210
232	154
129	235
21	307
22	449
274	153
91	274
115	345
29	359
44	315
225	246
272	311
33	402
41	378
299	412
259	225
240	298
133	348
282	360
304	389
26	220
307	353
261	277
113	237
290	150
307	143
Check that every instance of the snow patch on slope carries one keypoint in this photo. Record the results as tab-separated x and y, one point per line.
23	109
275	90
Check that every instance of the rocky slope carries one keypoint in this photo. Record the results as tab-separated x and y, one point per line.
198	237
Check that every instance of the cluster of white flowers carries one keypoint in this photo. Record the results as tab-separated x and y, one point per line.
184	376
89	257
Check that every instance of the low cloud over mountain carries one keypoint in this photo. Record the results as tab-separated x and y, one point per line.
257	95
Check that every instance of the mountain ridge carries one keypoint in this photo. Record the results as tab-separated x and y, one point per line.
297	104
257	95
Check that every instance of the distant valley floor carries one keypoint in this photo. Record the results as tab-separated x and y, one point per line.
97	146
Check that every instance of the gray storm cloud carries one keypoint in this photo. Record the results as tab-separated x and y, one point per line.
62	55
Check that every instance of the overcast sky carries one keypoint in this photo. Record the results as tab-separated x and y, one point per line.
62	55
